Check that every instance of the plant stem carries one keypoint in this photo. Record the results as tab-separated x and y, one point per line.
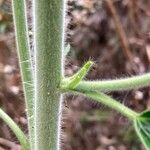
113	85
21	29
17	131
76	78
110	102
48	30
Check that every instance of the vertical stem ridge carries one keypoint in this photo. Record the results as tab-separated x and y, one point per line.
48	30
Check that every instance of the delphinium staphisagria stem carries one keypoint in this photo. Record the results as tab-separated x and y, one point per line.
43	95
23	50
94	89
48	42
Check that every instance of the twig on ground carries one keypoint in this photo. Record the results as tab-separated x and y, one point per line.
133	16
120	30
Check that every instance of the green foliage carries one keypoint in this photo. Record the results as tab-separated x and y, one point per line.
142	127
141	121
49	85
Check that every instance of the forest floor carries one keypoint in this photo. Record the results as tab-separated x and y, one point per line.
116	36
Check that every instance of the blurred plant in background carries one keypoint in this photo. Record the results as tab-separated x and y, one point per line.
5	15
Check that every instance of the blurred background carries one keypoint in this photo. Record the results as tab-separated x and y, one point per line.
115	34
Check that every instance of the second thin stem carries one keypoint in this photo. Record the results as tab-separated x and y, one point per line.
110	102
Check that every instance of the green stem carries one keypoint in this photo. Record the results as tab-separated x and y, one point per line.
20	21
110	102
76	78
17	131
48	24
114	85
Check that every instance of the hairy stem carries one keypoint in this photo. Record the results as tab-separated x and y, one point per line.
17	131
76	78
110	102
113	85
20	21
48	29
